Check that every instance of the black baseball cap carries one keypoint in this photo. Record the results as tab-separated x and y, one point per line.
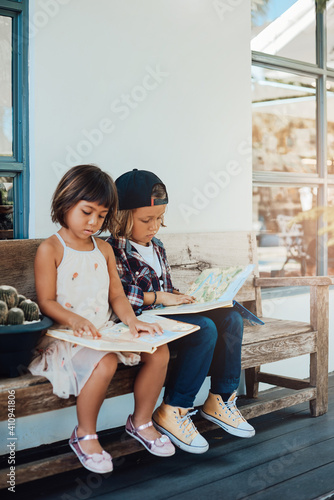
135	189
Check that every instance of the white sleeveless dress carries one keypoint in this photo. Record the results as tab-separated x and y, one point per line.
82	287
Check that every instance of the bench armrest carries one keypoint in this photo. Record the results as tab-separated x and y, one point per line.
319	320
294	281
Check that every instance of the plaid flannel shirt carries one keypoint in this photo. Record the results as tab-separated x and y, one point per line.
136	275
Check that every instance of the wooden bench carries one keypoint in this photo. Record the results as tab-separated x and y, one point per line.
188	255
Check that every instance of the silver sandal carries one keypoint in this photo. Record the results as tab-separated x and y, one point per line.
96	462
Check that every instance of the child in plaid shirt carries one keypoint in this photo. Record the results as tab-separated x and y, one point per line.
145	274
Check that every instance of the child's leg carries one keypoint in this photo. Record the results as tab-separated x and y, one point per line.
148	385
226	362
194	355
91	398
220	406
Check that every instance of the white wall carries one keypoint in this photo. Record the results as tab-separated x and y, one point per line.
190	122
91	68
296	308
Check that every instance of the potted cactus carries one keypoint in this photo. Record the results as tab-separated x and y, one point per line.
21	325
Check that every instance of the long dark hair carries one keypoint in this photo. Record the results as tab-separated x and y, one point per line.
89	183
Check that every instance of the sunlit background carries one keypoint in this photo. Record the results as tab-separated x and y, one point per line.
286	174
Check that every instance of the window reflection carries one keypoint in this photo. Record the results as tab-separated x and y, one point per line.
6	208
284	122
6	120
330	35
284	28
284	250
330	127
330	221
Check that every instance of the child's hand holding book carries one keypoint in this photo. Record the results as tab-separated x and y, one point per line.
174	299
137	327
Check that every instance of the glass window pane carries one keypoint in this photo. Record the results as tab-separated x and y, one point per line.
284	250
6	208
6	110
284	28
331	234
330	35
284	121
330	127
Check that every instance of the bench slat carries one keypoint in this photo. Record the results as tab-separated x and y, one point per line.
34	394
275	350
288	382
273	329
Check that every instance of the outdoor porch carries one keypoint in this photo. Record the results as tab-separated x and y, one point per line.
291	456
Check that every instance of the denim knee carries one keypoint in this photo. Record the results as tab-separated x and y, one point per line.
207	335
205	338
194	356
232	332
235	323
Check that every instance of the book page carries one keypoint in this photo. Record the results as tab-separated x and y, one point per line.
117	337
219	284
214	288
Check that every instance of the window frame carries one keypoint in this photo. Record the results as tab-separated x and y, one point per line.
17	165
321	73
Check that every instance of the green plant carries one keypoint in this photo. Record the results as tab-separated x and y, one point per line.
9	295
20	298
15	316
30	309
3	312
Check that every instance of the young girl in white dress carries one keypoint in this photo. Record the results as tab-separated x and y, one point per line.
78	286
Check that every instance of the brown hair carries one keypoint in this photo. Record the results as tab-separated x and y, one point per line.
89	183
124	220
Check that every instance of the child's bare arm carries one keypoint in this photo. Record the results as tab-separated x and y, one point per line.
47	258
173	299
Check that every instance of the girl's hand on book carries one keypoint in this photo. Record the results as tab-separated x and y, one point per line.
81	326
137	327
174	299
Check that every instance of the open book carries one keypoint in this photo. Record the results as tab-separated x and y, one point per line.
214	288
117	337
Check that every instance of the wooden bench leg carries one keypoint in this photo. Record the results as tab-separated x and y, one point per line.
319	360
252	386
319	378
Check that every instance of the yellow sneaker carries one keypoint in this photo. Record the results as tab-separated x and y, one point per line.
178	426
226	415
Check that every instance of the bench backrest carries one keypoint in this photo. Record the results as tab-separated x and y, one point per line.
188	254
17	265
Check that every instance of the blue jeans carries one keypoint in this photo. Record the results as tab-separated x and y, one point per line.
215	349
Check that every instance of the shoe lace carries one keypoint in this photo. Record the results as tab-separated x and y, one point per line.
187	424
232	408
